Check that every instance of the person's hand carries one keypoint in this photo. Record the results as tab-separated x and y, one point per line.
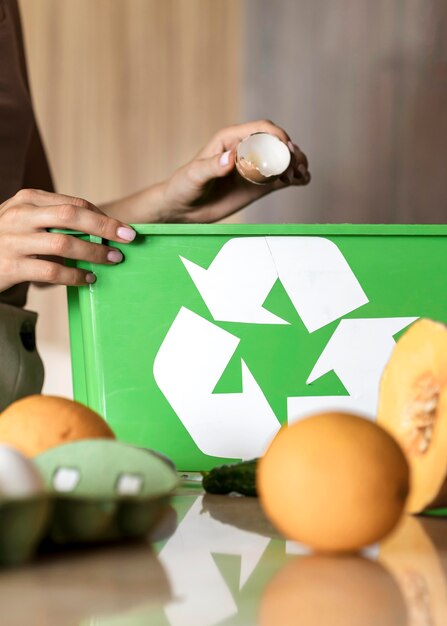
209	188
29	253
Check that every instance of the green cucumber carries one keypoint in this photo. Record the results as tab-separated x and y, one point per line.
237	478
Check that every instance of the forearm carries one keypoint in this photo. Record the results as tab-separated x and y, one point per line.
143	207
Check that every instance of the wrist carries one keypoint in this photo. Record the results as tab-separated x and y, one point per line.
143	207
165	205
155	203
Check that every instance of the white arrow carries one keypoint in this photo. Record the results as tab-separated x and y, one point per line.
202	595
238	281
357	352
313	271
317	278
188	366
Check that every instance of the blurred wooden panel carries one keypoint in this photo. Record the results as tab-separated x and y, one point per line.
126	91
362	86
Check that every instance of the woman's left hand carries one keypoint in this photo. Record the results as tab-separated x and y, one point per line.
209	188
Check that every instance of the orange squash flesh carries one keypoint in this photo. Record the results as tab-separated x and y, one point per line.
413	408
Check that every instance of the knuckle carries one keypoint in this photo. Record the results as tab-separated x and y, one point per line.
66	213
192	174
12	214
270	126
59	244
25	195
8	266
94	252
51	272
7	241
74	277
81	203
104	224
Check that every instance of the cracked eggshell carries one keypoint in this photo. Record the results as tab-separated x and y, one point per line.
261	158
19	477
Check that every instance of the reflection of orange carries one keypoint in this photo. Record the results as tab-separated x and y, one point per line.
411	555
325	591
334	481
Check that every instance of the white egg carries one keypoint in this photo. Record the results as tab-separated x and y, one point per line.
262	158
19	477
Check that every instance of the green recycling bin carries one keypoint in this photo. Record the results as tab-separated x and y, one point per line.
208	337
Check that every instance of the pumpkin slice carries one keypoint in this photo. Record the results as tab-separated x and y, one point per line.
413	408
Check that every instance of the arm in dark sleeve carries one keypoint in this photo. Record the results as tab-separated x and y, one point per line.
37	171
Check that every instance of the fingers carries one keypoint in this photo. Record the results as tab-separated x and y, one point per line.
298	172
65	246
39	271
229	137
239	132
71	217
201	171
300	157
29	253
38	197
62	212
266	126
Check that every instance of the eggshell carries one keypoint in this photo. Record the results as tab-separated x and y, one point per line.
261	158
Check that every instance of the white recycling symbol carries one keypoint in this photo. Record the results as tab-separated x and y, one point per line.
195	352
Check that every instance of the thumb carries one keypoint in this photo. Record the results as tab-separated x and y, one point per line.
204	170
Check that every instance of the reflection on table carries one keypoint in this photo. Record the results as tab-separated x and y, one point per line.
216	560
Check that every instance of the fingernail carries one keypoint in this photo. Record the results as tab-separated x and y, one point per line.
225	158
114	256
302	169
291	147
90	278
128	234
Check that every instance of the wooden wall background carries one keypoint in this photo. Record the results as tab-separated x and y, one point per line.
362	85
125	91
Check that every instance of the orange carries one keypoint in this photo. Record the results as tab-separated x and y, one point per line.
335	482
37	423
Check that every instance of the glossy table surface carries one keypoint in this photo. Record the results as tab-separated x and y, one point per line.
216	560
